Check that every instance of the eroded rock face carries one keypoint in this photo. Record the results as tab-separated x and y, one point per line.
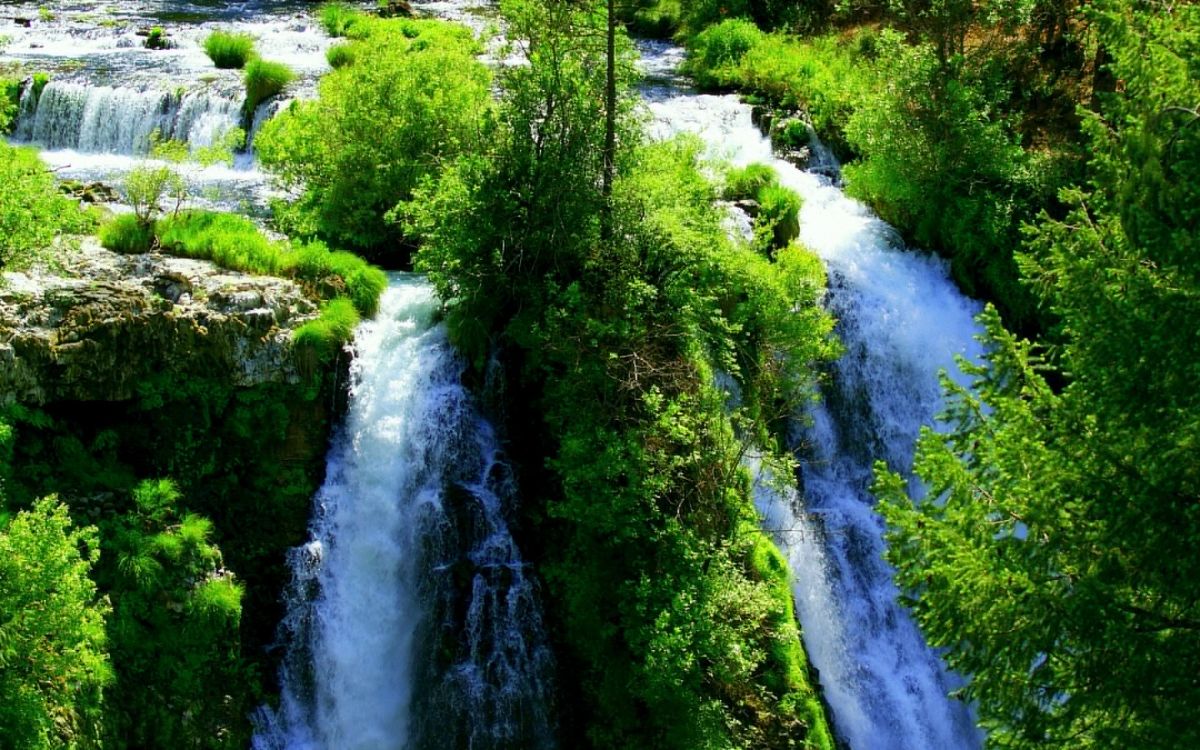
93	328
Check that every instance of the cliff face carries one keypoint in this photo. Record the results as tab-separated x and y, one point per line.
98	323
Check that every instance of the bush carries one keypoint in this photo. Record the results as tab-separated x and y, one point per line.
32	211
714	54
338	19
127	234
340	55
264	79
228	50
746	182
376	132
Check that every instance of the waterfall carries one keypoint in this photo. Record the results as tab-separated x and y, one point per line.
120	120
902	321
412	620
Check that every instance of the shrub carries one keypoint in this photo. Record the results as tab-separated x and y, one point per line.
127	234
157	39
337	19
228	50
340	55
32	211
746	182
264	79
714	54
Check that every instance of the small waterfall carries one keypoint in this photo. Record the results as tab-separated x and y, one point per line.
412	620
902	321
103	119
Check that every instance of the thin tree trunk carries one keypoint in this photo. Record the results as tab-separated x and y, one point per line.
610	127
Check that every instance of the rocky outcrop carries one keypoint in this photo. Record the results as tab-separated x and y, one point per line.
95	324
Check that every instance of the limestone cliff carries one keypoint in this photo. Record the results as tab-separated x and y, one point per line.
94	324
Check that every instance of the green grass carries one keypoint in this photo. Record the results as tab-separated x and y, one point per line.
746	182
337	19
234	242
125	234
228	50
322	337
340	55
265	79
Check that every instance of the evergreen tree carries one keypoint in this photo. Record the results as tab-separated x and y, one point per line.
1055	556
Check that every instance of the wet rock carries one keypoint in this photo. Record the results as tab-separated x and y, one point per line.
95	324
395	9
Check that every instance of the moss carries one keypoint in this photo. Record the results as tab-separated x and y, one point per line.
320	339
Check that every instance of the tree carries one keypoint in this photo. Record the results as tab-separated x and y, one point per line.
53	665
414	100
173	632
1055	557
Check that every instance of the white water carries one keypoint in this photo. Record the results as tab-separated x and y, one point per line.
411	622
108	93
902	321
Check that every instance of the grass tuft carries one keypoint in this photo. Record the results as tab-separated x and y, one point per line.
265	79
228	50
126	234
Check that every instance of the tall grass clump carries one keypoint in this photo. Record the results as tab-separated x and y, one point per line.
265	79
229	50
715	53
341	273
127	234
337	18
321	337
340	55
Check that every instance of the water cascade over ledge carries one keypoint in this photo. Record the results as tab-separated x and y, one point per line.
901	320
412	621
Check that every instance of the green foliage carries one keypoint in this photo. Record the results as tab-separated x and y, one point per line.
10	100
323	337
264	79
1057	563
234	242
157	39
53	664
229	50
341	55
776	208
32	211
173	633
338	18
677	640
126	233
377	131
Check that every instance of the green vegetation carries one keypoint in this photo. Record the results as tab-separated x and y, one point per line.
377	131
229	50
338	18
53	663
234	242
1057	565
157	39
126	233
32	211
775	208
666	602
340	55
263	80
321	338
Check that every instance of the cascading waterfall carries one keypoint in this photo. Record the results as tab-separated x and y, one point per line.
412	621
89	118
902	321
